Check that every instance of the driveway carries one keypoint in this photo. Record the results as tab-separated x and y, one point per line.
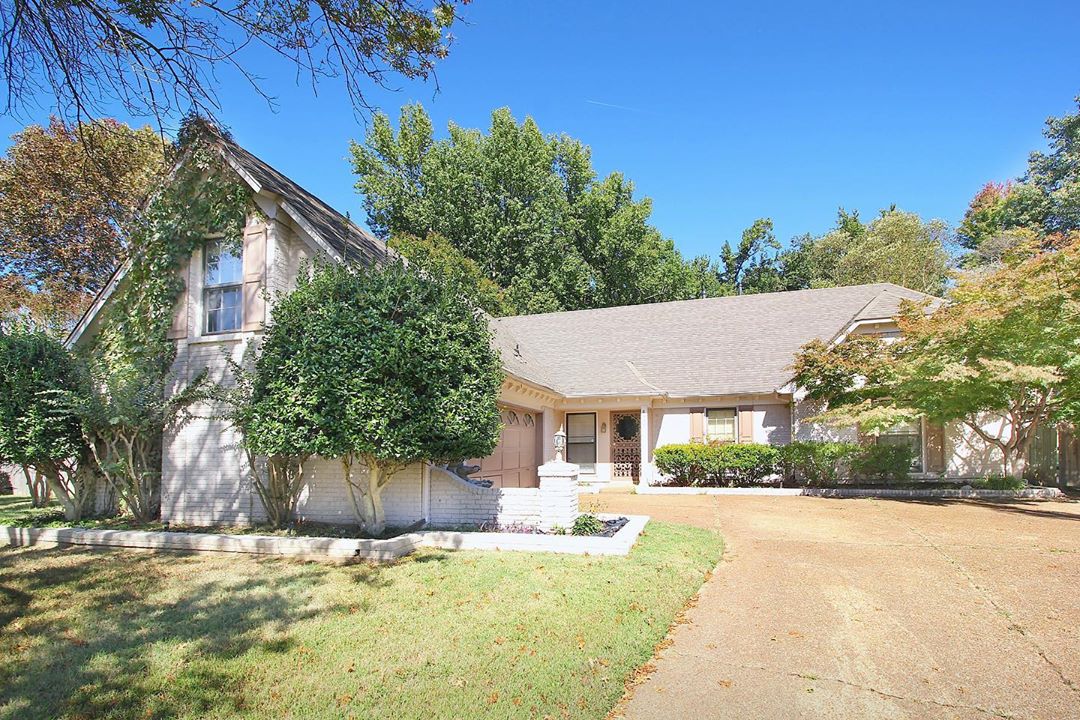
873	609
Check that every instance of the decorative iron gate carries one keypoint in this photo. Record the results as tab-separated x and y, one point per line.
626	446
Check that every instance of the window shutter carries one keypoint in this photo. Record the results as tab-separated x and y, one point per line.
935	447
179	327
697	424
254	276
746	424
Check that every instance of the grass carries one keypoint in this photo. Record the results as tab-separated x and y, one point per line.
113	634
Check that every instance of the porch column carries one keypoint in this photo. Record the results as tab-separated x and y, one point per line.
645	473
548	429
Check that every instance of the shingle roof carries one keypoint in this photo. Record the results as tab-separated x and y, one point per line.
350	241
716	346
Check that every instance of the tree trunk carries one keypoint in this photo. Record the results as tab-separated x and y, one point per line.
37	486
375	483
70	501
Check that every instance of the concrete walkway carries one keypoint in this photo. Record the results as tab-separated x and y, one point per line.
876	608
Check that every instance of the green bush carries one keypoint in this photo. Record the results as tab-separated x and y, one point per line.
885	463
999	482
587	524
697	464
684	463
816	463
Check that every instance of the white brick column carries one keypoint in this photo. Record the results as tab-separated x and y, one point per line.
558	495
645	472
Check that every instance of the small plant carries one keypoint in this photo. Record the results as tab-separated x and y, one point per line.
999	482
558	530
587	524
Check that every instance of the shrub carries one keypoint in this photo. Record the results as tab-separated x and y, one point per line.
39	382
715	465
816	463
999	482
882	462
683	463
587	524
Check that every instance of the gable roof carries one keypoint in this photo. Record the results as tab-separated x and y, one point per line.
716	346
351	242
328	228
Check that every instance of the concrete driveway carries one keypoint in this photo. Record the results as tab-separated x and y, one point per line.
873	609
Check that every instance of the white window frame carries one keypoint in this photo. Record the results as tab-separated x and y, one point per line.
735	424
207	288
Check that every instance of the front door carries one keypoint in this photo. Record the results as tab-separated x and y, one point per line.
626	446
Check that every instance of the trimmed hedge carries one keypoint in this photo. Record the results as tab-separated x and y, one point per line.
730	465
810	463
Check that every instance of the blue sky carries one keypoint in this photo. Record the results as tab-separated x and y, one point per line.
724	112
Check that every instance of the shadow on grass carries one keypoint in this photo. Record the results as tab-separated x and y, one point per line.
121	635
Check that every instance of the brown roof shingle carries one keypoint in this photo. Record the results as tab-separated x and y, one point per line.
716	346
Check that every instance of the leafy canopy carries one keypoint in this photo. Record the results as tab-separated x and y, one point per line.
1006	343
525	207
68	193
1044	202
36	373
381	363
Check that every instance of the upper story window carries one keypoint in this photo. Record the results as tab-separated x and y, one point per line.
720	425
223	286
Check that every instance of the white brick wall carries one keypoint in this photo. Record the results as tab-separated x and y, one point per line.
457	502
326	499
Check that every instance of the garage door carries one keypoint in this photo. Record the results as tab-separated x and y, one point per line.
513	464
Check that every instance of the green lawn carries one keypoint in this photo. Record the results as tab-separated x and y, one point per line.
439	635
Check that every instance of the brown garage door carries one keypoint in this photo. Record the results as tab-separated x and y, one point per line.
513	464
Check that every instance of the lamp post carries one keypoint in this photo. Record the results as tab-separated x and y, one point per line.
560	445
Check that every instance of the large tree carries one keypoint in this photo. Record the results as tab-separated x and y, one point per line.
1044	202
40	381
526	207
387	366
67	194
163	59
897	247
1004	346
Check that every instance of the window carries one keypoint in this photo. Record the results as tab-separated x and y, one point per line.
223	288
906	435
581	440
720	425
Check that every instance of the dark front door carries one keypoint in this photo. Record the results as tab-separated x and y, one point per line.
626	446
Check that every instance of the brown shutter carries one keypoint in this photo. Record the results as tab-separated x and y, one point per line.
179	327
935	447
746	424
254	276
697	424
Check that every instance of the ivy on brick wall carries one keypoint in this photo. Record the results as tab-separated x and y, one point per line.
203	197
131	402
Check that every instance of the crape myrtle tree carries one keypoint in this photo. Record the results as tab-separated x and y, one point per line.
38	428
1006	344
385	366
275	452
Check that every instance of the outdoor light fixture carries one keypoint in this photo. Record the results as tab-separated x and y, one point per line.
560	445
